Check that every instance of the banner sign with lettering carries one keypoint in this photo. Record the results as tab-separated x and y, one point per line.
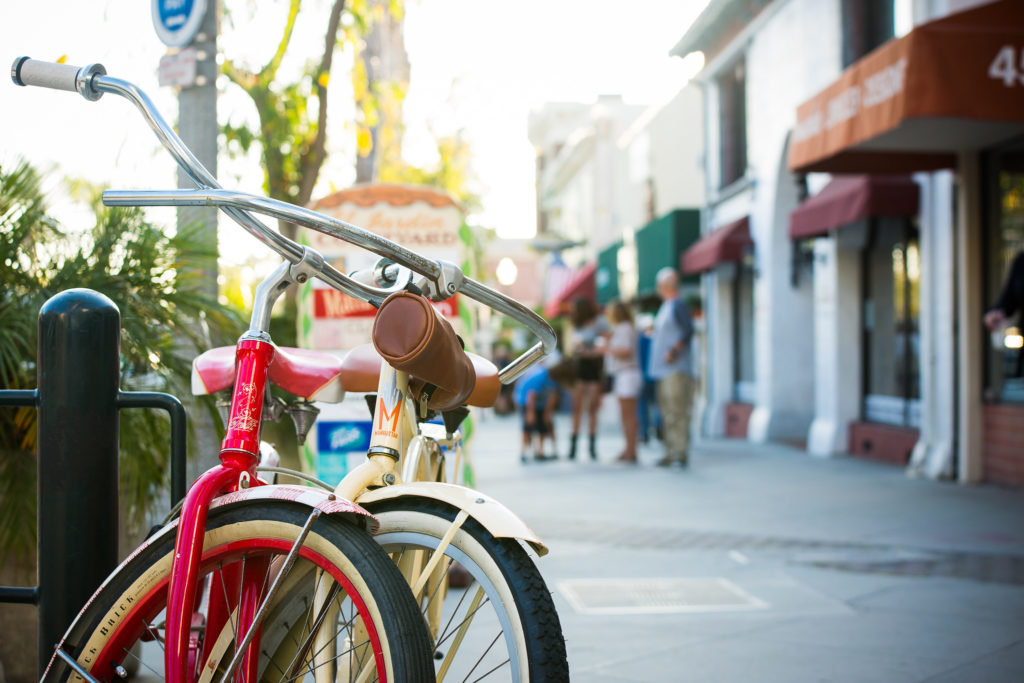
422	219
952	84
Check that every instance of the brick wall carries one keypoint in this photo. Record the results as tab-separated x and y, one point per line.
737	415
882	442
1003	454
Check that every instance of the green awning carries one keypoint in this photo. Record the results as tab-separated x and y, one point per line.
607	276
661	242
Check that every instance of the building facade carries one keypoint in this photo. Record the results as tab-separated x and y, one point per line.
862	213
611	178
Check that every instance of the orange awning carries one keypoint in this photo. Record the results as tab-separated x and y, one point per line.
722	245
950	85
847	199
582	284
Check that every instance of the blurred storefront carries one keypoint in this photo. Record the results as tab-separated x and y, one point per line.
870	288
618	188
724	255
661	243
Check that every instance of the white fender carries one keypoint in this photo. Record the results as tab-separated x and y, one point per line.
492	515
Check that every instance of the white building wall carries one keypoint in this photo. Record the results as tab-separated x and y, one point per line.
933	455
792	52
676	152
779	76
837	333
585	180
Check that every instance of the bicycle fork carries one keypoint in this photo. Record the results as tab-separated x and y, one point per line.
238	461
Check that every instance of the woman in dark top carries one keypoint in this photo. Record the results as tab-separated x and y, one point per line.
590	331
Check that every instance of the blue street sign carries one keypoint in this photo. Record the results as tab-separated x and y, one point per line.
177	21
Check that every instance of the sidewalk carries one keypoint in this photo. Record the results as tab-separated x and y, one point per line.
762	563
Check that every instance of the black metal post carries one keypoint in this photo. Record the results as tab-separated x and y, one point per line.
78	378
179	431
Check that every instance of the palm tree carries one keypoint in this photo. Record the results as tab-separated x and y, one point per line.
163	310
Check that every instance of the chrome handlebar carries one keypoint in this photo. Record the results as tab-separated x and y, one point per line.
445	278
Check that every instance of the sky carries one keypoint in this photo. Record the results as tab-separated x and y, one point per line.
478	66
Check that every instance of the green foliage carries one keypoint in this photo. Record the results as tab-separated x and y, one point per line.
292	116
452	172
143	270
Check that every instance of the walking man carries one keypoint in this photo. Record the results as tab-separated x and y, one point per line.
671	365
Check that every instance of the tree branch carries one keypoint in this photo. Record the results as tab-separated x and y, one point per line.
269	71
313	159
243	78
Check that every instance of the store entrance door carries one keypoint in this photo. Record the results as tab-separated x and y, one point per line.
891	343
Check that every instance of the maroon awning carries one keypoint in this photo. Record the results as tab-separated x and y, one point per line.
850	198
950	85
581	284
725	244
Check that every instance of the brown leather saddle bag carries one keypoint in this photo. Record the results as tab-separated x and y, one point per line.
414	338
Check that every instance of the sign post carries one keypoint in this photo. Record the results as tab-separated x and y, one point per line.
189	28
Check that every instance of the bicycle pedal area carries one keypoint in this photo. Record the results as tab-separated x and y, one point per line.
757	559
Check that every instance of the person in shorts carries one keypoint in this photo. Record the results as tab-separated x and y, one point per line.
625	372
537	394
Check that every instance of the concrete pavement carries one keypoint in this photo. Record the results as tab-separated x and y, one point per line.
762	563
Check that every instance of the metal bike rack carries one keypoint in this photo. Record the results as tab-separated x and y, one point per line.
78	399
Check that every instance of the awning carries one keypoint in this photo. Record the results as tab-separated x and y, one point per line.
606	278
581	285
722	245
950	85
660	243
848	199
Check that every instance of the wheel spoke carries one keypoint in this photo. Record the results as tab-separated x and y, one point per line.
465	621
433	595
482	659
137	658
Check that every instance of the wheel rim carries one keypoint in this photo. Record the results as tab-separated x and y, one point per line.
402	541
141	618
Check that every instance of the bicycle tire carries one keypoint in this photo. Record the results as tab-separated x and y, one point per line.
125	611
514	589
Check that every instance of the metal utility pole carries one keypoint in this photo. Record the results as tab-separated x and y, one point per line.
197	126
190	30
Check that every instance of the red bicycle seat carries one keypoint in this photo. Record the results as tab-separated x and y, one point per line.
321	376
313	375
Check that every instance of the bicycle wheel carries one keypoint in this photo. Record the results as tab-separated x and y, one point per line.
342	612
503	626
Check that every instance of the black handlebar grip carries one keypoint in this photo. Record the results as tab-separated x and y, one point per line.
27	71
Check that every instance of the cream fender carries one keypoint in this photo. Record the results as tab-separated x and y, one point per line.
492	515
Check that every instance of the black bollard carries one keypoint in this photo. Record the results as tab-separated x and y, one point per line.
78	381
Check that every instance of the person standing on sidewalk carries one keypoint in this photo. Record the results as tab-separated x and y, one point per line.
625	371
590	331
671	365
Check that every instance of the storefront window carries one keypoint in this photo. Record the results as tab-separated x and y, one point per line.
732	124
1005	362
743	342
892	276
